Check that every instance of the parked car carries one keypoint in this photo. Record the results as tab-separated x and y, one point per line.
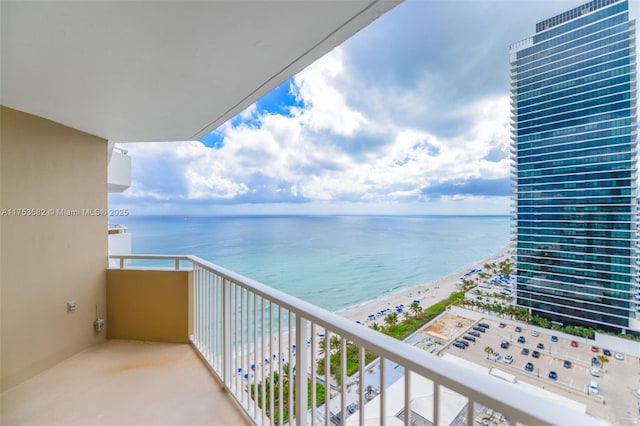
508	359
528	366
459	345
521	339
595	372
524	351
535	333
518	329
469	338
595	349
540	346
619	356
502	325
553	375
483	325
480	329
462	342
574	344
554	338
504	344
474	333
495	356
566	364
594	361
535	354
593	388
607	352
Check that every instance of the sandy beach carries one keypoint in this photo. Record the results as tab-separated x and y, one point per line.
428	294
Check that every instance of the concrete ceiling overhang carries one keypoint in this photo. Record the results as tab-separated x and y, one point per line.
162	70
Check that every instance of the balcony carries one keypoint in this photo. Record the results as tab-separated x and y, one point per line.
119	170
123	382
119	242
193	343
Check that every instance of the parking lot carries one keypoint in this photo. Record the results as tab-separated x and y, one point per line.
617	401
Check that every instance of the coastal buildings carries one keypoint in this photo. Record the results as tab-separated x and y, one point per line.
573	94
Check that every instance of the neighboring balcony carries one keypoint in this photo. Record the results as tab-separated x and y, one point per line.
119	242
253	356
119	171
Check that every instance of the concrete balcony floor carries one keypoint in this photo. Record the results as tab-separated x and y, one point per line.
123	383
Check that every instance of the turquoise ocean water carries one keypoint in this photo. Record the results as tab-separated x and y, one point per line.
331	261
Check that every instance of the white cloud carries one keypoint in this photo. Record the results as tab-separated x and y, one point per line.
328	105
338	147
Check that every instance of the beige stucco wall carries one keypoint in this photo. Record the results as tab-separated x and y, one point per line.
148	305
46	261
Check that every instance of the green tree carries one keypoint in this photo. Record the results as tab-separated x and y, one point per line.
505	267
322	346
415	309
288	384
603	359
334	344
392	319
488	350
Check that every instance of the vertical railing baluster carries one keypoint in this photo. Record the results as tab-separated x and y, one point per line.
236	328
436	403
255	356
407	396
248	361
200	315
280	337
196	312
302	367
206	317
290	359
274	364
327	376
314	396
361	366
240	313
211	305
343	375
226	341
218	315
216	312
264	363
383	393
470	412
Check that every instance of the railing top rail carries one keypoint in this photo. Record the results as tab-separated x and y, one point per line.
490	391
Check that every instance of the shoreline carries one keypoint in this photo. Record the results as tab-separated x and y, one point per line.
428	293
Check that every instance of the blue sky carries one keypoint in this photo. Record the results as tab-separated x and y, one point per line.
409	116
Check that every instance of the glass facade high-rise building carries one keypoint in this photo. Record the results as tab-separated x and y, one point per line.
574	167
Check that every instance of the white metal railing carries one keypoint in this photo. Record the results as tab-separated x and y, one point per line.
258	340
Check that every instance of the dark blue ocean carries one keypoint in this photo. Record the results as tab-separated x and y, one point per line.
331	261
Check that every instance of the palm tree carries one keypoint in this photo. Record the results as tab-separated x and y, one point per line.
603	359
488	350
505	267
391	319
510	311
376	326
334	343
415	309
322	346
